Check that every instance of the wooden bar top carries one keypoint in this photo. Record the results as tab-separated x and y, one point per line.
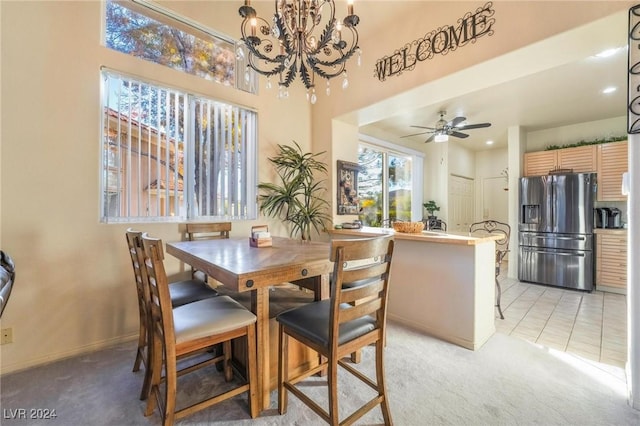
438	237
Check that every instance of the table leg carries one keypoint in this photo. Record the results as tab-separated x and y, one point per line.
260	307
322	290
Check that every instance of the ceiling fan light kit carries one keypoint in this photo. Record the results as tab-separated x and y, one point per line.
444	129
440	137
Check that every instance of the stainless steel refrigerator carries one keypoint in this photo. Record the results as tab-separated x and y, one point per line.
556	245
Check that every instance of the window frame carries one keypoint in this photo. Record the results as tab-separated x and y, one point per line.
417	182
244	78
190	212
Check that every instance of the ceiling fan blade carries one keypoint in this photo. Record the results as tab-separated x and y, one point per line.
430	138
415	134
457	121
458	134
474	126
423	127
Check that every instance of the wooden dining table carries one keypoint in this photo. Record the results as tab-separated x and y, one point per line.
241	268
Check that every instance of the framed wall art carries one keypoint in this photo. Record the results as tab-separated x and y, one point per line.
348	188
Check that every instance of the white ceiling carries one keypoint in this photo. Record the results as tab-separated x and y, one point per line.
567	92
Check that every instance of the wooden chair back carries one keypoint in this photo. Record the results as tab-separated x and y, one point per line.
136	252
160	309
208	231
360	285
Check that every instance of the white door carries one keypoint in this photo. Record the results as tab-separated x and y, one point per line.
461	202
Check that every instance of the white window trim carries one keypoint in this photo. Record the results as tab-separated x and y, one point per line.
417	176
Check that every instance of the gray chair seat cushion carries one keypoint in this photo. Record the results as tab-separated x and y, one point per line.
312	322
209	316
183	292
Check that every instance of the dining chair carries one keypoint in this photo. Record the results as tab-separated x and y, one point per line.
206	231
493	227
189	329
180	293
7	279
353	318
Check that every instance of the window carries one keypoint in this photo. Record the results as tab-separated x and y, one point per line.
153	33
387	184
170	155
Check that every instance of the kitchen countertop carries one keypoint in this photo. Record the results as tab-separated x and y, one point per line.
439	237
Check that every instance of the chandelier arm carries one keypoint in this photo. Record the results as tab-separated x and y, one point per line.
341	60
276	47
290	75
267	73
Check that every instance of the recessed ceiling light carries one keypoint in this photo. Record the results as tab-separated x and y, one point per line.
489	142
607	90
607	53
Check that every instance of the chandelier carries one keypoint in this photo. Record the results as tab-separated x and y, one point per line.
303	39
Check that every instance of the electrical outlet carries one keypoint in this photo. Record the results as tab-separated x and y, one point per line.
6	336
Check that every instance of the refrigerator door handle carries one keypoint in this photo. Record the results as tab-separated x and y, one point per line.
556	253
561	238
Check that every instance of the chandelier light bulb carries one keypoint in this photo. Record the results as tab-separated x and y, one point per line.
345	82
268	83
314	98
328	88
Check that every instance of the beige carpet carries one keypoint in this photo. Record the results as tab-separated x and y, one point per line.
430	382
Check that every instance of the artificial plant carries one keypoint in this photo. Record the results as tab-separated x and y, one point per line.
298	198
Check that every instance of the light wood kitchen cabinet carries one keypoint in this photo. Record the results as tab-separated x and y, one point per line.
540	162
611	260
579	159
612	163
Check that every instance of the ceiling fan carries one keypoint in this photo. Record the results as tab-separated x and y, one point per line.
445	128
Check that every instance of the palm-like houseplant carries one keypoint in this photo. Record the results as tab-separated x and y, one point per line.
297	198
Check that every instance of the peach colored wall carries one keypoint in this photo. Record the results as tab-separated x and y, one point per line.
518	24
74	291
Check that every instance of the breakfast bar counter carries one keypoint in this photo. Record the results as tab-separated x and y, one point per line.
441	283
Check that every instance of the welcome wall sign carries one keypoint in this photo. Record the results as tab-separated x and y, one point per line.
440	41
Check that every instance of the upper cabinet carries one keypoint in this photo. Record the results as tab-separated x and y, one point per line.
540	163
612	163
580	159
609	160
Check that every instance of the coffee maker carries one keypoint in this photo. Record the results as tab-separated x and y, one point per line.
600	217
614	218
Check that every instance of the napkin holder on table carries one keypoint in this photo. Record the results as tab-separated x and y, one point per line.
260	236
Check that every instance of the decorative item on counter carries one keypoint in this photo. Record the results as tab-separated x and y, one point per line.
408	227
260	236
431	207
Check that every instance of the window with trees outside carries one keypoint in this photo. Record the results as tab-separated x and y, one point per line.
170	155
385	185
148	31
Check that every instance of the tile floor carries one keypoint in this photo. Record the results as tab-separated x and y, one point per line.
590	325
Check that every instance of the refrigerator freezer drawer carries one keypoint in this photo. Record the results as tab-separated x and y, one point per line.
572	242
562	268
